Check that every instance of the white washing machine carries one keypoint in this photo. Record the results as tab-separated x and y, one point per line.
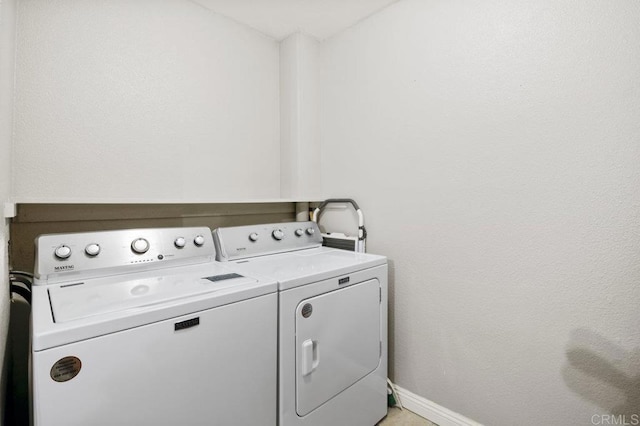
332	321
143	327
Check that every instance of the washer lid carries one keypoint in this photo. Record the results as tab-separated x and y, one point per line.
75	301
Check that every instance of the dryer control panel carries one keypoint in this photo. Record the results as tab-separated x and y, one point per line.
239	242
92	254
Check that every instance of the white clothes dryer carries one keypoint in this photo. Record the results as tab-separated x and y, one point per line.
332	345
143	327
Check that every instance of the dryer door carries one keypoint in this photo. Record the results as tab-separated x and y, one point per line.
337	342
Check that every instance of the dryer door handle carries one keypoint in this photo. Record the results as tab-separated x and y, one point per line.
310	356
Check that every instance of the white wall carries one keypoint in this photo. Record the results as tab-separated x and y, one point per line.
299	132
495	150
7	54
143	101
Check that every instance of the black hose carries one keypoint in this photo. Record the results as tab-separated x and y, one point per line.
24	273
24	292
23	280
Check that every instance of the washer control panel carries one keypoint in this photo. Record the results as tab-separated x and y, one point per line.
238	242
88	253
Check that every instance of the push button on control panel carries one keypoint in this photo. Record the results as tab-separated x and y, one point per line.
278	234
62	252
92	250
140	245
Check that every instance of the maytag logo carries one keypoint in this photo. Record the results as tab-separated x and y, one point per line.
186	324
344	280
63	268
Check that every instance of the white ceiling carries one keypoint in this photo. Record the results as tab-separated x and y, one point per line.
281	18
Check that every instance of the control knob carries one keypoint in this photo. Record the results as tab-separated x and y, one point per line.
253	236
299	232
92	249
179	242
278	234
311	231
140	245
198	240
62	251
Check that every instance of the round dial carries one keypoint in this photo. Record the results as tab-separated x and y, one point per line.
311	231
92	249
278	234
299	232
62	251
140	245
253	236
179	242
198	240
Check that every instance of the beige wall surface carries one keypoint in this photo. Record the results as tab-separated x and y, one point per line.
494	149
143	101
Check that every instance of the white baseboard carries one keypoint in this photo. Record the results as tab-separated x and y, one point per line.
432	411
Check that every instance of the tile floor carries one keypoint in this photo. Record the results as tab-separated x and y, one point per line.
397	417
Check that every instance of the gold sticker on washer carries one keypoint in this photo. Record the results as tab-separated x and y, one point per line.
66	369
